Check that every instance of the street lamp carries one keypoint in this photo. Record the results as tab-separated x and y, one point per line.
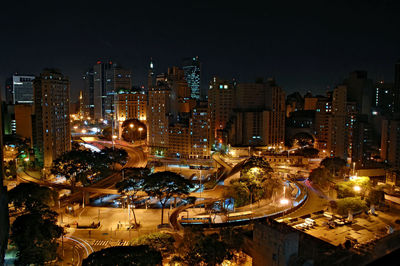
131	125
357	188
284	201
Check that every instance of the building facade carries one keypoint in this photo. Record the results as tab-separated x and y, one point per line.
132	105
52	135
192	70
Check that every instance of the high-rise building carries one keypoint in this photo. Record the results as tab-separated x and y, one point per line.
117	78
360	90
220	106
151	75
159	113
131	105
19	89
102	83
384	97
52	135
259	115
23	120
390	142
339	133
200	131
192	69
322	123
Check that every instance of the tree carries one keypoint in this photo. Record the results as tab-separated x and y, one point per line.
133	129
165	185
376	196
335	165
200	249
32	197
162	242
131	184
353	204
35	235
320	176
142	255
257	167
114	155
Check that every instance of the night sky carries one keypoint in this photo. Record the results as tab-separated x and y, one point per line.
306	45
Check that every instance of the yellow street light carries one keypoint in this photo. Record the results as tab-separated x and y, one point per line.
83	131
284	201
140	128
26	159
357	188
115	136
131	125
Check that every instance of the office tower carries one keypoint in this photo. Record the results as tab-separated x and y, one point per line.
82	108
390	142
151	75
351	119
339	137
52	135
200	131
102	82
131	105
23	120
220	106
19	89
259	115
159	112
192	67
360	90
117	78
88	97
177	82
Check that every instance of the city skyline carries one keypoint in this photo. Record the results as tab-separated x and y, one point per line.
311	48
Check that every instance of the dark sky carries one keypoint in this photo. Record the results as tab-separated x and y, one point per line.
306	45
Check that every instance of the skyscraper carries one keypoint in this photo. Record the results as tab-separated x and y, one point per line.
397	87
102	83
259	115
52	135
220	106
339	133
19	89
192	69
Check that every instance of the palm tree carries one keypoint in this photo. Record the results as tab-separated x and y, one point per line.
131	184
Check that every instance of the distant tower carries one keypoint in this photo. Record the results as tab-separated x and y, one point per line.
150	80
191	67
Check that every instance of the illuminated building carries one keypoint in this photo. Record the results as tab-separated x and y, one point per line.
101	83
259	115
191	68
19	89
220	106
52	135
131	105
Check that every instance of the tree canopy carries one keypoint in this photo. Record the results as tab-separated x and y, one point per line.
86	166
132	183
34	234
141	255
353	204
162	242
32	196
165	185
200	249
335	165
